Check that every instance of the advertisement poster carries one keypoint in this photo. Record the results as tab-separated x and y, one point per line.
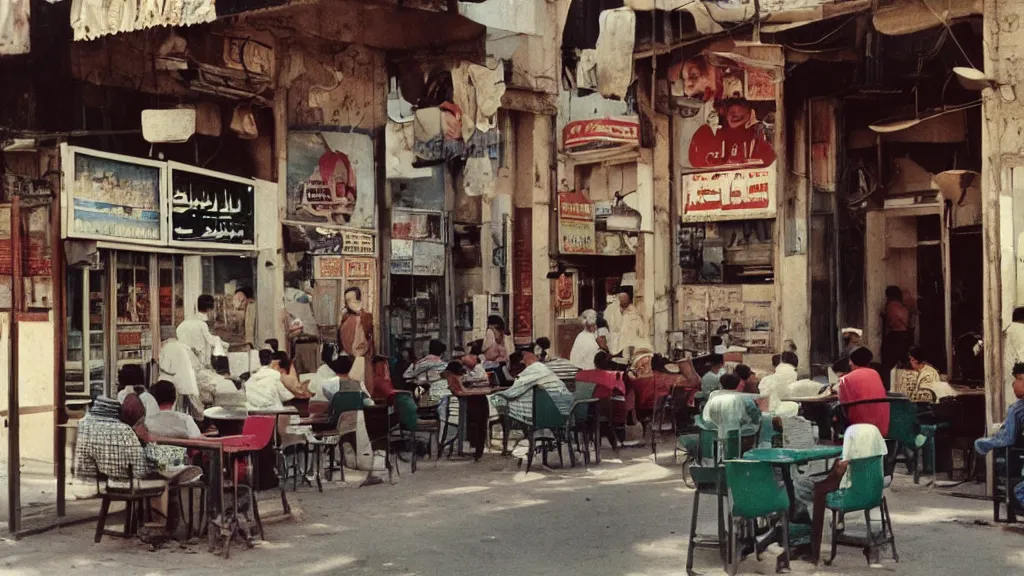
428	259
327	268
737	194
576	230
522	279
414	225
331	178
211	209
360	268
114	197
357	244
602	133
728	112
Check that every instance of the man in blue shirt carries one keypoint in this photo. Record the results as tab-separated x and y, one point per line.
711	379
1013	426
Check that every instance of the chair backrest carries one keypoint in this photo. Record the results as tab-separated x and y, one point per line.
867	481
753	489
733	447
584	390
545	411
343	402
261	430
903	425
454	383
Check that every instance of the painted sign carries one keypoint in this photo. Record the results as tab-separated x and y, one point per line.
328	268
211	209
576	233
113	197
331	178
428	259
727	114
565	292
415	225
360	268
522	280
582	135
357	244
736	194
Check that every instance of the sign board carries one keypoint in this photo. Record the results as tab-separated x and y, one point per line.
522	280
576	231
733	195
331	179
360	268
328	268
357	244
210	209
428	259
601	133
113	197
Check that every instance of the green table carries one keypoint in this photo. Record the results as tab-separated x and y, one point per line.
793	456
785	459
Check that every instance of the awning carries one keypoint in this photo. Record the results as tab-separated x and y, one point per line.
909	16
91	19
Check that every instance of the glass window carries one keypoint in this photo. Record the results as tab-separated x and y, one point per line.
172	293
222	276
132	300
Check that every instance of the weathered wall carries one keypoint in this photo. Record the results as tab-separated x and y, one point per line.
791	270
533	135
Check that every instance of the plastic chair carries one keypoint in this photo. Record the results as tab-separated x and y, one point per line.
755	493
905	434
581	419
708	481
330	436
1007	475
545	415
866	492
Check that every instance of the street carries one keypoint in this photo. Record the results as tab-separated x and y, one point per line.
626	517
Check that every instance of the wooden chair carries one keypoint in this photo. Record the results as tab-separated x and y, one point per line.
134	493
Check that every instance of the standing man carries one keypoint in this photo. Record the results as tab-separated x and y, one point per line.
302	330
355	337
627	325
245	302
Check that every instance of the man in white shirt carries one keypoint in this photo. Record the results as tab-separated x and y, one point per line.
264	389
167	421
195	332
776	386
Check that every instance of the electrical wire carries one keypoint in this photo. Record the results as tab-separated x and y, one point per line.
826	36
950	30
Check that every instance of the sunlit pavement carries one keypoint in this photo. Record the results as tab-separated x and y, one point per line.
626	517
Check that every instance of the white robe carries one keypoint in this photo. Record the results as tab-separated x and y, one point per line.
584	349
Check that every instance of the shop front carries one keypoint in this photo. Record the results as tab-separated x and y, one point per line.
725	111
601	221
143	239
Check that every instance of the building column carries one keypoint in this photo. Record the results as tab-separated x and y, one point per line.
533	191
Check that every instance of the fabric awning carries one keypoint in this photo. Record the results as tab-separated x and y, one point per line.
91	19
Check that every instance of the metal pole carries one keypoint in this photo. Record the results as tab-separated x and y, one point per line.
13	438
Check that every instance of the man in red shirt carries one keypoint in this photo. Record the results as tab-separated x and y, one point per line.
864	383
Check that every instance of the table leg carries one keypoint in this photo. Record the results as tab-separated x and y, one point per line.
215	499
461	433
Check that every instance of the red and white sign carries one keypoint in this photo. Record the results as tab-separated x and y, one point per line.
731	195
601	133
576	231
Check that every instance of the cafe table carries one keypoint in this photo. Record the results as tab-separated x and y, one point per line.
784	459
465	395
221	529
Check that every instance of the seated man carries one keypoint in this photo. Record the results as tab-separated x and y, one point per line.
131	379
426	373
864	383
749	381
726	409
168	422
709	382
560	366
1009	434
776	385
290	378
474	369
264	389
517	401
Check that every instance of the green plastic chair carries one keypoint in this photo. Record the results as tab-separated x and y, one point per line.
584	418
866	492
708	481
546	415
754	493
905	433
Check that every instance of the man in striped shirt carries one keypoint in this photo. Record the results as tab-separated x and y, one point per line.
517	401
562	368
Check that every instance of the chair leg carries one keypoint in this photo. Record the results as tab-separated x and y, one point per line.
785	539
318	466
869	551
102	522
732	557
917	466
256	513
887	521
529	455
693	532
835	538
129	517
597	441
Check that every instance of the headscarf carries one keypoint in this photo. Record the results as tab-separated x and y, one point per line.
132	410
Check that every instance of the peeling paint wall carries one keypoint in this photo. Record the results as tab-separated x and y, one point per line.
347	89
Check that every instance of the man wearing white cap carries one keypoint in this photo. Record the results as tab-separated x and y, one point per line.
628	329
585	347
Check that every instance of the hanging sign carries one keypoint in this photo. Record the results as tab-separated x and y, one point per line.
732	195
211	209
522	281
601	133
576	232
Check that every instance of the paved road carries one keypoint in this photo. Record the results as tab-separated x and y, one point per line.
626	518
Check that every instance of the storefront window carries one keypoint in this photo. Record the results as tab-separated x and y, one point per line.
417	312
134	333
172	291
85	365
222	276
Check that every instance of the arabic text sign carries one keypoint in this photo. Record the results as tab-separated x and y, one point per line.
576	237
731	195
209	208
356	268
327	267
